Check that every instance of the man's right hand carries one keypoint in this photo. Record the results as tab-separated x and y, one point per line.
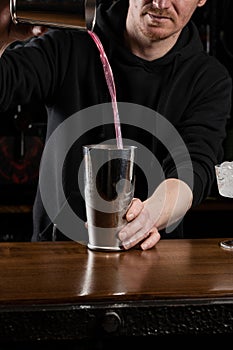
10	32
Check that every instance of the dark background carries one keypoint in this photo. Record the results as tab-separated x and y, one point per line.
22	135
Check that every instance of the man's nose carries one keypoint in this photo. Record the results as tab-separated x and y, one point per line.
161	4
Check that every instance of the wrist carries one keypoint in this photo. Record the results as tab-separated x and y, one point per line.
169	202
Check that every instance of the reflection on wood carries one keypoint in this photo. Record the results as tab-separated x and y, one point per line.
63	291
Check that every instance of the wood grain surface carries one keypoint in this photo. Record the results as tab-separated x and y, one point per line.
67	272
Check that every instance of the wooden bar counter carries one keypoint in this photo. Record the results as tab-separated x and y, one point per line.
63	291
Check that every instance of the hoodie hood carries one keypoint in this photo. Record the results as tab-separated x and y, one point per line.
110	26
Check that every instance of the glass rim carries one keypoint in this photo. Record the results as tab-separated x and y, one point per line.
109	147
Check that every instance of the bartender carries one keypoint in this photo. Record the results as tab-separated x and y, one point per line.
158	62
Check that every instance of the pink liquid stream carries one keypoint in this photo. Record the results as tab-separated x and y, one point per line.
111	87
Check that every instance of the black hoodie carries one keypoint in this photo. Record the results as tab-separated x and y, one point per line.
186	87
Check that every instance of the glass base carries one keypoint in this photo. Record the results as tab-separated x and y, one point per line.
104	249
227	244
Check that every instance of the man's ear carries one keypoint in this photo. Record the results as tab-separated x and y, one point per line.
201	3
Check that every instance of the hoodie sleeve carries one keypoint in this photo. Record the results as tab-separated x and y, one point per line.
203	128
32	70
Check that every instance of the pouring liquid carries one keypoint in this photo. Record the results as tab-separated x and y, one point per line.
111	87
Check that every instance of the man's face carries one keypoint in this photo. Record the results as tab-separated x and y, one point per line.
162	18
